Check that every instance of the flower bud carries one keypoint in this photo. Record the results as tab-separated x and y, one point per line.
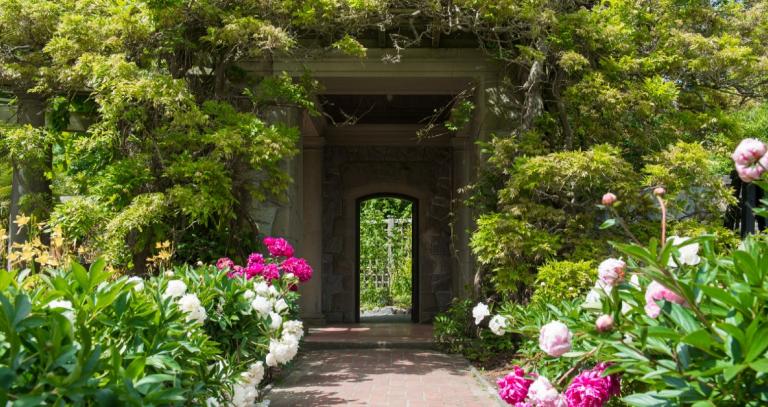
659	191
609	199
604	323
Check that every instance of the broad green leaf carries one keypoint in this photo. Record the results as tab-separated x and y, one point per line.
608	224
645	400
758	346
760	365
731	372
81	276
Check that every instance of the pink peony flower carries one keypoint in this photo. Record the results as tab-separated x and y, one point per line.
750	159
555	339
604	323
749	151
278	247
543	394
299	267
270	272
254	269
255	258
237	271
611	271
609	199
591	388
225	262
657	292
513	388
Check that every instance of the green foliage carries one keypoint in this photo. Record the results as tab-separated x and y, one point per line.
119	341
563	280
385	253
115	344
455	332
350	46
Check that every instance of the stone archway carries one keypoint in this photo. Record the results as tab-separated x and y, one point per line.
354	172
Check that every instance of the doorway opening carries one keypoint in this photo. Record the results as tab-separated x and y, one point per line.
387	259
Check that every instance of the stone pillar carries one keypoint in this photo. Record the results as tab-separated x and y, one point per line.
462	218
287	221
28	178
312	238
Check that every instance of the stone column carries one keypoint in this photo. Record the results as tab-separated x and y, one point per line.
28	178
312	238
462	218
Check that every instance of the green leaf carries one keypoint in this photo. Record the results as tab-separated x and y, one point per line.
730	372
136	368
608	224
758	346
683	318
154	379
645	400
700	339
81	276
760	365
23	307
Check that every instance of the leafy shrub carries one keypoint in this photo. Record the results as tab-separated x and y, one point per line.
563	280
186	336
455	332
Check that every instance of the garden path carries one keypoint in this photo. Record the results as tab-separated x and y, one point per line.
373	365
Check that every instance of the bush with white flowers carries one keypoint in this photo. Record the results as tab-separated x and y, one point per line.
203	335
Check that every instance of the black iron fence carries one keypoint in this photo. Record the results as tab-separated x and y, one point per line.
742	217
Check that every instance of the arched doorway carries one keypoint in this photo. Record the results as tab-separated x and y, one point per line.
386	258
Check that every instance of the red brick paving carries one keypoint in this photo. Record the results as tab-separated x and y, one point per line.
380	377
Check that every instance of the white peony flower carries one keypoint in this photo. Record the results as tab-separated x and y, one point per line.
689	254
261	305
273	291
244	395
498	324
168	273
262	289
190	304
175	288
281	306
480	312
277	321
248	294
271	361
138	283
254	374
282	351
293	328
65	305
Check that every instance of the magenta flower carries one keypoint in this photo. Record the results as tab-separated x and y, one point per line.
270	272
225	262
513	388
254	269
299	267
656	292
278	247
591	388
255	258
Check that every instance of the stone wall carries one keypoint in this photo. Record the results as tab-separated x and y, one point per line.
353	172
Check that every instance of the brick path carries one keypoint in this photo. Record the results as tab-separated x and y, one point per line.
380	377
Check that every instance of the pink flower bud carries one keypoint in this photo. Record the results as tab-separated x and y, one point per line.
659	191
555	339
604	323
609	199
